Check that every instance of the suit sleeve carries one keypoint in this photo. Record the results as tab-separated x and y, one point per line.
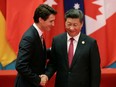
51	66
23	58
95	66
48	53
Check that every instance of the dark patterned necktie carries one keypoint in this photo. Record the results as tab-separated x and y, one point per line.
42	39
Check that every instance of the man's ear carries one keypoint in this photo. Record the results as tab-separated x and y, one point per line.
40	20
82	24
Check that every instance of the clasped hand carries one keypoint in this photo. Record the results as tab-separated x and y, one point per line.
44	79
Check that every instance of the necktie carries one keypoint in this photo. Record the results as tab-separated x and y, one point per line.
42	39
70	52
43	42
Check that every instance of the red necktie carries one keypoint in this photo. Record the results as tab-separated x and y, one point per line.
70	52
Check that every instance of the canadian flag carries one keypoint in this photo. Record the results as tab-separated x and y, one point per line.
100	18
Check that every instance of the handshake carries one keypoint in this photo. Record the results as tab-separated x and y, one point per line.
44	79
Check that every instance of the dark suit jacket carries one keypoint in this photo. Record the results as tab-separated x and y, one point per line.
85	67
31	59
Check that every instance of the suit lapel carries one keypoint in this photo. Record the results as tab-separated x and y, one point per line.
79	49
38	38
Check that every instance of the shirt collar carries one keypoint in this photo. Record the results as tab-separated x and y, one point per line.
76	38
38	30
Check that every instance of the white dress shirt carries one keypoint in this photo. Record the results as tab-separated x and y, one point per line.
39	31
75	42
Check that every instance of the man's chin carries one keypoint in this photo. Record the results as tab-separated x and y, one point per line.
47	29
71	34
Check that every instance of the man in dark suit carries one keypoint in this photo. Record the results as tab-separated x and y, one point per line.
75	56
31	58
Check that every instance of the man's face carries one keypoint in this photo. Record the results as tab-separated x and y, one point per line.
73	26
49	23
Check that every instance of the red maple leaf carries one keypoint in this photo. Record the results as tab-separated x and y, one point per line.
91	9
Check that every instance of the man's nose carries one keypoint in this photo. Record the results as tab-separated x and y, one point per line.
71	27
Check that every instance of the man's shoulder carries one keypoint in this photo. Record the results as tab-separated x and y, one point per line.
87	37
30	29
62	35
29	33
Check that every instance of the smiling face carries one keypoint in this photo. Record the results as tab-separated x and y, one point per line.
73	26
47	24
